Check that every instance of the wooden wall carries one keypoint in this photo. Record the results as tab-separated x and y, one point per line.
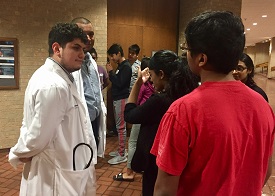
152	24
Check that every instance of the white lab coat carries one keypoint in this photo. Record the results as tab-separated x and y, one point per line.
55	121
103	112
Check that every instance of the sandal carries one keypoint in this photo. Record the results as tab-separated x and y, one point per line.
119	177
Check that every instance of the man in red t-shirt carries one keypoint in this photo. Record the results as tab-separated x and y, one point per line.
218	139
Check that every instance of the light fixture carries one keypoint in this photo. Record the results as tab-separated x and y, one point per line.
264	16
254	23
248	29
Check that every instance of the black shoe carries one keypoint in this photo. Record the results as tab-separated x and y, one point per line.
111	134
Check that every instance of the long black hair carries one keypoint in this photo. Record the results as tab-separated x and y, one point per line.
250	66
181	80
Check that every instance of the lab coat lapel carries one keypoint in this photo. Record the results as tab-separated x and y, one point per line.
72	86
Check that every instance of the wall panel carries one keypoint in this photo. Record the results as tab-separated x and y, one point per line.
153	25
125	35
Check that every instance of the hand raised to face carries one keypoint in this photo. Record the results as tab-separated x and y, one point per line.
144	74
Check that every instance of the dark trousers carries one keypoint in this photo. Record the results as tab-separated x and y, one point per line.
149	177
95	125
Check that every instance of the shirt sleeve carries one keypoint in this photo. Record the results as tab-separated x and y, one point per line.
49	111
140	94
171	143
147	113
89	98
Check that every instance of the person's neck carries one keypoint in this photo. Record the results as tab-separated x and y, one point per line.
121	60
132	61
211	76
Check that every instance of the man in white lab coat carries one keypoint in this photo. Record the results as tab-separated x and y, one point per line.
55	121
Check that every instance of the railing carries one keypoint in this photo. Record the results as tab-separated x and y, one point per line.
262	65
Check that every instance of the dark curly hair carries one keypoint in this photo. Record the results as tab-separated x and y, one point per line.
62	33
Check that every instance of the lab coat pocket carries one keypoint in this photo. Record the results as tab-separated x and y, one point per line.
76	183
38	176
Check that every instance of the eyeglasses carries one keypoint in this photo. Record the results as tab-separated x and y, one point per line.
184	48
240	68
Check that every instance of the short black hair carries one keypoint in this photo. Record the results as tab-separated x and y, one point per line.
134	48
219	35
115	49
62	33
81	20
144	63
92	50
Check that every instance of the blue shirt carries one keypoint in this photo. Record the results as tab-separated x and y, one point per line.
91	85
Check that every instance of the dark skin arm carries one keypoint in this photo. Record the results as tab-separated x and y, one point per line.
269	170
106	83
166	184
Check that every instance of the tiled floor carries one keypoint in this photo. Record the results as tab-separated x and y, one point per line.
10	178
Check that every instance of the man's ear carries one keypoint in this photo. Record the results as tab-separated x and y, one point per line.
56	49
202	59
161	73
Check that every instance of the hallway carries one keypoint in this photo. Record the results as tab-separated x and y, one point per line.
10	178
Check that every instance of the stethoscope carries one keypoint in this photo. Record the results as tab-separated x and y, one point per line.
89	163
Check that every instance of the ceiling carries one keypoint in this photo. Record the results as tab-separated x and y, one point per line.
252	11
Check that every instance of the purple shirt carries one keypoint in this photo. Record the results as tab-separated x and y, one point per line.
103	76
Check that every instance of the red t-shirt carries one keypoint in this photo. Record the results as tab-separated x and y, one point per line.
218	139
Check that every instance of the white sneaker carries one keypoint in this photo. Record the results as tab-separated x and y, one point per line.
115	153
117	159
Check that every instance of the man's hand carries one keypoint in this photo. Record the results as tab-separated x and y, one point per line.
25	160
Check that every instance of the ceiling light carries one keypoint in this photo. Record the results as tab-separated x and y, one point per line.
264	16
248	29
254	23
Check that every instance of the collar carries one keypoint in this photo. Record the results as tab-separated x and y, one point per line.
70	76
87	57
